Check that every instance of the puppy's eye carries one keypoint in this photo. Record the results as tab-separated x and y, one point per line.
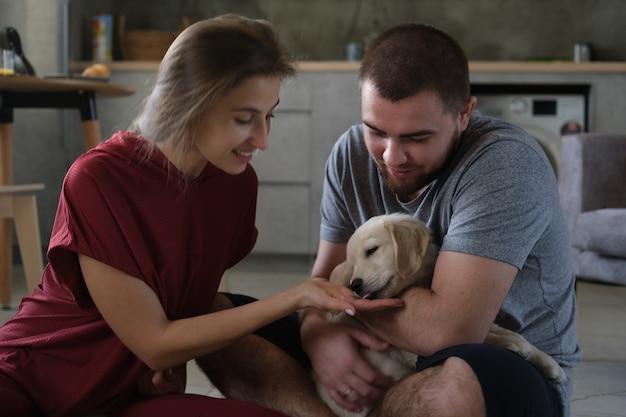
371	251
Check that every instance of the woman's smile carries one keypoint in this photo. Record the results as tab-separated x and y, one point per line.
245	156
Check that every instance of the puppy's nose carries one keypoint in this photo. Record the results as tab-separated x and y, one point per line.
356	285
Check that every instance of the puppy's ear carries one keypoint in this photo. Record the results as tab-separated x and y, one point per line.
342	274
410	242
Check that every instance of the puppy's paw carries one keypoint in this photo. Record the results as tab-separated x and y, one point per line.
548	366
557	374
518	344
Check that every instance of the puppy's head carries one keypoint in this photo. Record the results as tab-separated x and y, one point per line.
385	255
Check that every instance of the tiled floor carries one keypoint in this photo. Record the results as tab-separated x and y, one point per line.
599	382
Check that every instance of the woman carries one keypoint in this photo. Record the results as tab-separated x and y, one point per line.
147	224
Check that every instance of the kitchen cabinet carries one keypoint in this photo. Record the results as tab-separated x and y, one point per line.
284	175
319	104
315	109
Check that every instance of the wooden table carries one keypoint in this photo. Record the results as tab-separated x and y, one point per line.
35	92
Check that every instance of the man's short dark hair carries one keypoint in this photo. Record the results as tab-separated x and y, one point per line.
412	58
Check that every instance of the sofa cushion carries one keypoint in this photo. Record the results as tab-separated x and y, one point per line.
602	231
594	267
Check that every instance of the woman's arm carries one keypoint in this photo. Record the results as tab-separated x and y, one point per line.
135	314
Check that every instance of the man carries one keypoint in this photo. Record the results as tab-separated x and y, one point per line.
489	194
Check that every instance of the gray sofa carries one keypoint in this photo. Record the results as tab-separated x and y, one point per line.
592	192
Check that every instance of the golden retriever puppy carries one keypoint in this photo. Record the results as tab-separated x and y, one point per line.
388	254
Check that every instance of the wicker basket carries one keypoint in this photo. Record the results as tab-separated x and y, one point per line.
145	45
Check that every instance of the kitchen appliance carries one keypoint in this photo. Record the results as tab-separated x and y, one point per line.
10	39
583	52
546	112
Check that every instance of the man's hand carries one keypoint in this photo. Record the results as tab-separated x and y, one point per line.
169	381
334	350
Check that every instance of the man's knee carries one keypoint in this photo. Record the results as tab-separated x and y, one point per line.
234	367
457	391
479	377
450	389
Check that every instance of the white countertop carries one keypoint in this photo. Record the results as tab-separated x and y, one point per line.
475	66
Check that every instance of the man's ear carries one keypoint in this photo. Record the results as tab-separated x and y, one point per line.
466	112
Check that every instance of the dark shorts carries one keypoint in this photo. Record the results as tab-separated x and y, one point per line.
284	333
512	386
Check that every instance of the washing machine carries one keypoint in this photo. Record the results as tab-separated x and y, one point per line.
546	112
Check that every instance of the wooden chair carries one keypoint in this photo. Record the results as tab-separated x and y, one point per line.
17	202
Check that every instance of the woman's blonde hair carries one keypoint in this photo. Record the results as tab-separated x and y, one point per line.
203	64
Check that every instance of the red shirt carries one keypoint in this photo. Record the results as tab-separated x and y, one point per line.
133	211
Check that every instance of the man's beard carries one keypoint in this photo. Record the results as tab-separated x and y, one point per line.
405	190
408	190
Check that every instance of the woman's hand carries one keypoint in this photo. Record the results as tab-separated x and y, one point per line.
324	295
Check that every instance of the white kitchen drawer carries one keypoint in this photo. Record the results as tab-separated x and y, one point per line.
283	219
288	158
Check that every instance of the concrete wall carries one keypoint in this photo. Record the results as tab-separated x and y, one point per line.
319	30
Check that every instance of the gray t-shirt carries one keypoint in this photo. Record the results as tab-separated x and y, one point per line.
497	199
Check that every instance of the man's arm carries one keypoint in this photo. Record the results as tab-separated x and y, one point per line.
334	348
329	255
464	299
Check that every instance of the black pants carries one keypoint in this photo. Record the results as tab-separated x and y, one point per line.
511	386
284	333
